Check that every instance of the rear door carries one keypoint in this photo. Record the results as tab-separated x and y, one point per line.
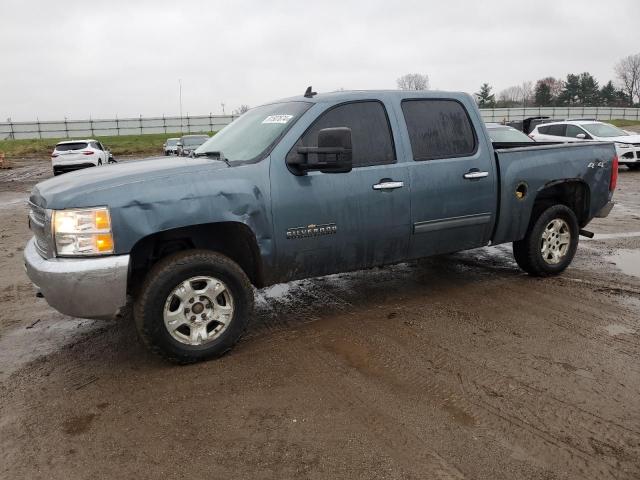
453	177
100	152
552	133
330	222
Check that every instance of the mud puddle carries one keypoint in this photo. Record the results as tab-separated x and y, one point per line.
628	261
24	344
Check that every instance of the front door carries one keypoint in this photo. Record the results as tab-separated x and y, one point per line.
332	222
453	179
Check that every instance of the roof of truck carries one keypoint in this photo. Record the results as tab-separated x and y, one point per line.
343	95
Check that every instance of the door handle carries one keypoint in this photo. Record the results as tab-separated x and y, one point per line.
475	175
389	185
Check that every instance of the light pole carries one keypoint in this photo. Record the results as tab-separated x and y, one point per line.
180	95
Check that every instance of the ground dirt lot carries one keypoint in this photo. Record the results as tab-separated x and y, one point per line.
456	367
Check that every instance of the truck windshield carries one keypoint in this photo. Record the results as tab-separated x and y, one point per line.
604	130
254	132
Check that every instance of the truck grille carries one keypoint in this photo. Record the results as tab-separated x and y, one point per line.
41	229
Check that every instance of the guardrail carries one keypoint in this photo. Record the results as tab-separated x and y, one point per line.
209	123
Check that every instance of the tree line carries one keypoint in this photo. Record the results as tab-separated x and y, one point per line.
576	90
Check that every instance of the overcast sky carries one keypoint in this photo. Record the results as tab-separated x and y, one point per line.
102	58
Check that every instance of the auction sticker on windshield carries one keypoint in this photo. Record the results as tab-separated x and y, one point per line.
277	119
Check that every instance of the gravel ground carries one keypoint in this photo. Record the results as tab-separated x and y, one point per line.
454	367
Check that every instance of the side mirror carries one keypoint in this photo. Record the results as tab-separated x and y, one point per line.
179	144
581	136
334	153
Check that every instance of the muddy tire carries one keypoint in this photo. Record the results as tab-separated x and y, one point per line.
550	243
193	306
633	166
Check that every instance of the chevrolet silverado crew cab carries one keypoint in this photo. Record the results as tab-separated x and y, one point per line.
302	187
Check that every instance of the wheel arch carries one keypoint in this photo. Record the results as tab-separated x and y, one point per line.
573	193
235	240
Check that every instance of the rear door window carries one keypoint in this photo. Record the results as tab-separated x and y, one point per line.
439	129
65	147
557	130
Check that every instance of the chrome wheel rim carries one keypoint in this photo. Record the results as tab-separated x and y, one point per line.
198	310
556	239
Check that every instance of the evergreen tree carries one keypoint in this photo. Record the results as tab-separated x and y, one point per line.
484	97
608	95
570	90
589	92
543	97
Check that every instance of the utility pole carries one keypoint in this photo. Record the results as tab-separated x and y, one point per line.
180	94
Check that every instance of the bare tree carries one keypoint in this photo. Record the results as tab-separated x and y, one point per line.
509	96
526	92
554	84
241	109
628	72
413	81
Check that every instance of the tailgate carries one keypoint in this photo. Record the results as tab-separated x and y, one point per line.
538	167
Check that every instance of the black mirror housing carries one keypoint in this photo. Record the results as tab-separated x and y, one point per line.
334	153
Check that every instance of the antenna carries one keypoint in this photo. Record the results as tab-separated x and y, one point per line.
309	93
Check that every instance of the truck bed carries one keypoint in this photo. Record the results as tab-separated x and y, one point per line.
532	168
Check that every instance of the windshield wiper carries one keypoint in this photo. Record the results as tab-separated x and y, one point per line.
215	156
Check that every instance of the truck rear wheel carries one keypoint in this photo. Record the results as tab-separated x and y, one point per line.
550	243
193	306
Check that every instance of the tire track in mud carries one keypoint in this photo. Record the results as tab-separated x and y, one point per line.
543	419
400	443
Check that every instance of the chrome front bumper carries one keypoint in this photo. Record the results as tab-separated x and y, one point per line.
80	287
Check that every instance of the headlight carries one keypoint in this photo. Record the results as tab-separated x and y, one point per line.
85	231
623	145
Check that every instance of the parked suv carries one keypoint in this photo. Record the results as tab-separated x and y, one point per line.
170	147
77	154
188	144
627	145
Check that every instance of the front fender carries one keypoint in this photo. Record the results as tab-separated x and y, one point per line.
236	194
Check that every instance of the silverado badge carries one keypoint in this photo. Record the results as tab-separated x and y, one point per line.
312	231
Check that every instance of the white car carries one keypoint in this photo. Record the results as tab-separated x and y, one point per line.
76	154
627	145
171	146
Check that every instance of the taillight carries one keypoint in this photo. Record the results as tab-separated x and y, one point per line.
614	174
87	152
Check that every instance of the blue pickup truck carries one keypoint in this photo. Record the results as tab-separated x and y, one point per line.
306	186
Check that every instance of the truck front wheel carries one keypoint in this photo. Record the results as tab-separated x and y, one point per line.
193	305
550	243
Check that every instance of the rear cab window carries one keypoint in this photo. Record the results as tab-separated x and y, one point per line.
439	128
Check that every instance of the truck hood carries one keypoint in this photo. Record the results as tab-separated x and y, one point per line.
59	191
